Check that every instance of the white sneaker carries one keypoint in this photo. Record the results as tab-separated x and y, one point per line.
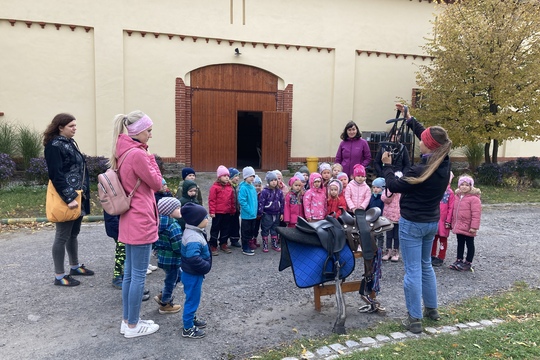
148	271
124	326
142	328
152	267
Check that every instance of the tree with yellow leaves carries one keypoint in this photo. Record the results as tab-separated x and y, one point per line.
483	84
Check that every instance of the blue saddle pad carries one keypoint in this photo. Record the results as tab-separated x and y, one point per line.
307	263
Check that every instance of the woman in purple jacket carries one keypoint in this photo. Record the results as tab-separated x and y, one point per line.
353	149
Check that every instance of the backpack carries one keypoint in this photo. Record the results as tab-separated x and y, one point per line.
111	193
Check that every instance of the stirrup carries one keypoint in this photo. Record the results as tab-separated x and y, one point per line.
372	306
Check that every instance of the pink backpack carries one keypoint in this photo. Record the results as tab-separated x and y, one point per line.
111	193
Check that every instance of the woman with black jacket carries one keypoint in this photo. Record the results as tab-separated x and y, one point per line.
67	171
421	188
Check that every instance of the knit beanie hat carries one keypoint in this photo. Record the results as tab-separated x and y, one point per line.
379	182
233	172
222	171
337	183
163	182
186	171
278	174
359	170
324	166
467	179
257	180
247	172
294	179
304	170
193	214
167	205
270	176
342	175
188	185
300	176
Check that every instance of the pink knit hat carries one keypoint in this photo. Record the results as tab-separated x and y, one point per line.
359	170
222	171
464	178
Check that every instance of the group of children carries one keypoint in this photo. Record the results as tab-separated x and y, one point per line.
185	253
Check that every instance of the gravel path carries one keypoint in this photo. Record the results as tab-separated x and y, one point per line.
248	304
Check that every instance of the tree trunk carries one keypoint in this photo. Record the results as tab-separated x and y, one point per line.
495	151
486	153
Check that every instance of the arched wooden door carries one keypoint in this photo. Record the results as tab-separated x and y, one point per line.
219	92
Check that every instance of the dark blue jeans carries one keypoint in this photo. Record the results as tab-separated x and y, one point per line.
172	276
193	290
269	223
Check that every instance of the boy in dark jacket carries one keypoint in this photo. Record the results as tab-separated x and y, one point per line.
196	262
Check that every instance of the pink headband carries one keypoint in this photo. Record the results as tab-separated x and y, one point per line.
139	126
428	139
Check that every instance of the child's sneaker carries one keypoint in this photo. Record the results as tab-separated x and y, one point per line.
225	248
435	261
168	308
214	251
142	329
117	282
386	255
454	266
248	252
81	270
66	281
200	323
193	333
152	267
464	266
395	255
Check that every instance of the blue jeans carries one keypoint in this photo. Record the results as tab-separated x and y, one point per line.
269	223
192	289
172	276
135	266
419	282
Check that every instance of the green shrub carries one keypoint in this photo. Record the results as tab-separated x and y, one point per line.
28	144
95	166
37	171
8	139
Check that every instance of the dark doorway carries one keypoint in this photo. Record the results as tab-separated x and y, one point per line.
249	139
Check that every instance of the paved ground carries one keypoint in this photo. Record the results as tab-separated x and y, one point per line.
249	305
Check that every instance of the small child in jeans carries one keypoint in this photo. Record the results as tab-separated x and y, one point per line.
293	202
466	221
196	262
445	223
168	252
377	187
271	205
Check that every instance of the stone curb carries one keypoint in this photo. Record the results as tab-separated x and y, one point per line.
334	351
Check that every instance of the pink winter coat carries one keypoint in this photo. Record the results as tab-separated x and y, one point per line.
293	207
447	210
467	212
139	225
357	195
391	205
315	200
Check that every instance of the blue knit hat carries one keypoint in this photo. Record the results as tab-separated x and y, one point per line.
270	176
186	171
193	214
379	182
233	172
257	180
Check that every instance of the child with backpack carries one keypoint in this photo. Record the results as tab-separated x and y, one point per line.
168	252
445	223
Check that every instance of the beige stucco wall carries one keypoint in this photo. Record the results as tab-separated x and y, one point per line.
104	71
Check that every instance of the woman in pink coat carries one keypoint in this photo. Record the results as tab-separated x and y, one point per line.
445	223
466	221
138	227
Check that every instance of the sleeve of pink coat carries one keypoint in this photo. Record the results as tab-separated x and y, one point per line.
146	168
450	212
367	196
348	198
476	212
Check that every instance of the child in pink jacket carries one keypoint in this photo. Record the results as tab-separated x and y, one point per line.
466	221
293	202
392	212
357	192
445	223
315	199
